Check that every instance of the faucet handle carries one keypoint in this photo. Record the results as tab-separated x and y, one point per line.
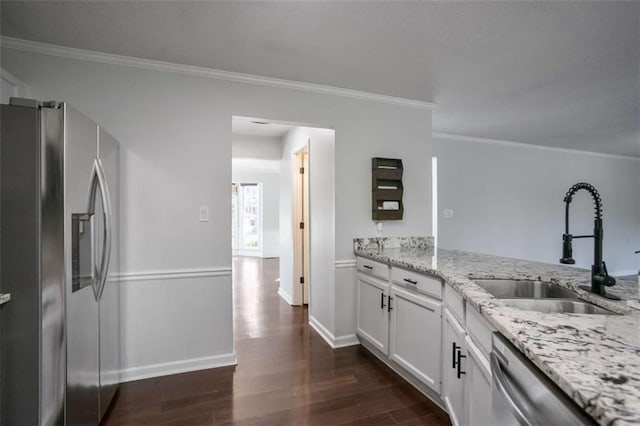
608	280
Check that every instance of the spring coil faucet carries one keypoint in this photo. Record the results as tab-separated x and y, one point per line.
599	275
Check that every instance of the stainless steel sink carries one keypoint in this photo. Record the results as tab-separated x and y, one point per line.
556	306
508	289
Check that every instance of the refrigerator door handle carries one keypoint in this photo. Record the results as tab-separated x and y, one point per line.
99	182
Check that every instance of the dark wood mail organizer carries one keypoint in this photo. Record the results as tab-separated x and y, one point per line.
386	192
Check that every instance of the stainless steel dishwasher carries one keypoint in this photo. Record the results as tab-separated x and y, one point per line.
523	395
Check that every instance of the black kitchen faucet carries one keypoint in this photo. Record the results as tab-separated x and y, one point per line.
599	275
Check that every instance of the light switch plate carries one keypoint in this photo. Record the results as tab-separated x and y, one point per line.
204	213
447	213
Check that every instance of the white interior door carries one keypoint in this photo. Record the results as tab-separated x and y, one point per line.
301	227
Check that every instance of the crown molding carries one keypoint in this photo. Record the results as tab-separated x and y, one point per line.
129	61
450	136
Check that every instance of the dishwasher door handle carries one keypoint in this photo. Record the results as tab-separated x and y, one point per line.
518	405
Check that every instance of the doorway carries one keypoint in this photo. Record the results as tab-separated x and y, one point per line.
302	161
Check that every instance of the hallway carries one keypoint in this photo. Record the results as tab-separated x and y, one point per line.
286	374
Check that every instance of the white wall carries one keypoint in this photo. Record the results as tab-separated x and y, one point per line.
508	201
321	144
270	207
256	146
322	226
175	134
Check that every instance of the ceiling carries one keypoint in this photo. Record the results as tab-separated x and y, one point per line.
562	74
254	127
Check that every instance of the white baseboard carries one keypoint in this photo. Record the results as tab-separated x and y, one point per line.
285	296
176	367
346	340
334	342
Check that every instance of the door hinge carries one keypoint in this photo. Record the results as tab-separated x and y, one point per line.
301	225
301	280
301	170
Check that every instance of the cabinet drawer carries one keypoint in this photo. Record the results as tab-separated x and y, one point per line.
374	268
453	301
423	283
479	330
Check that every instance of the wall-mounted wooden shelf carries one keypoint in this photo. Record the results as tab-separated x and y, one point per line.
386	189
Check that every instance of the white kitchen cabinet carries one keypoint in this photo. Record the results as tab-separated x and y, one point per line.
477	387
415	335
453	367
373	313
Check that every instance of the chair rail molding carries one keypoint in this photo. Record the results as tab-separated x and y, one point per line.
174	274
341	264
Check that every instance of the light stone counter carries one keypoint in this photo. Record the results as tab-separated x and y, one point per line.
595	359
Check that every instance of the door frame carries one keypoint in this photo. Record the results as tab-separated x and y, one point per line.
301	246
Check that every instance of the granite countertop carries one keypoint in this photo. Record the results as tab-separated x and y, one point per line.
595	359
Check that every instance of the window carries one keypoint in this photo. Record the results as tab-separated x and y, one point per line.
246	213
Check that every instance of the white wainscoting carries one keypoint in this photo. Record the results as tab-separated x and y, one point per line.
344	334
175	321
345	302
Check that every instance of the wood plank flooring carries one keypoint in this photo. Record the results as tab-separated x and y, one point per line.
286	375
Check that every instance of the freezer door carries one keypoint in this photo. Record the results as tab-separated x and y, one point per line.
109	320
81	289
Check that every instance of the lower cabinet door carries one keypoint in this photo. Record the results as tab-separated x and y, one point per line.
416	327
477	396
373	314
453	367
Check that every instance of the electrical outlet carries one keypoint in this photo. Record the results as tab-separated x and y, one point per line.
447	213
204	214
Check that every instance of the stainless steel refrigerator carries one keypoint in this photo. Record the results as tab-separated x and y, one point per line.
60	332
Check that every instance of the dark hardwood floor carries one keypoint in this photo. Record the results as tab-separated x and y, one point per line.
286	375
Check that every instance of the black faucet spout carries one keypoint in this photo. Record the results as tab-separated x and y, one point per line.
599	276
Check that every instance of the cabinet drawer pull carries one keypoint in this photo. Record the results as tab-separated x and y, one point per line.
389	308
414	282
460	372
367	267
382	305
454	348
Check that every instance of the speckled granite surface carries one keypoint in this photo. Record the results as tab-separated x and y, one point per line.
595	359
378	243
